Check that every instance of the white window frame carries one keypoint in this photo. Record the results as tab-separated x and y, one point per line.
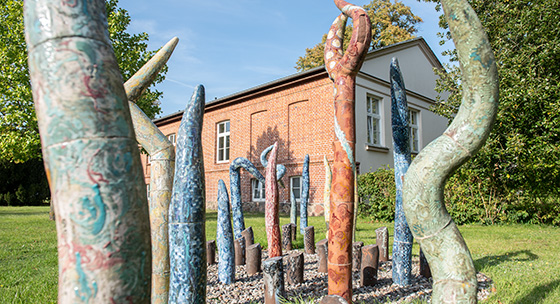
414	130
257	190
292	184
172	138
222	142
371	118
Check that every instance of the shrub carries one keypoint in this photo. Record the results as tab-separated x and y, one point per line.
377	195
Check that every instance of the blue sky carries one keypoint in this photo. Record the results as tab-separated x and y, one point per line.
232	45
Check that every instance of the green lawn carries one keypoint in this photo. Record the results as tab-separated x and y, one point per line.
522	260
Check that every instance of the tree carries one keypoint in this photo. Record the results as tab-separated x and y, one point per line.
19	132
522	154
391	23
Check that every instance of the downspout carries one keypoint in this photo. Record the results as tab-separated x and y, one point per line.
450	261
91	155
342	70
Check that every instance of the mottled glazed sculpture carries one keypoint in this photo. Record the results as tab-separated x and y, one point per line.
342	69
90	153
162	155
304	199
454	275
327	193
273	277
235	188
224	238
280	169
271	208
402	242
293	209
187	211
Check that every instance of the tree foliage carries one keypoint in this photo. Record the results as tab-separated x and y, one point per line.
391	23
522	155
19	133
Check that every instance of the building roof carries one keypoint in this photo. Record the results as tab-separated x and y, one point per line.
313	73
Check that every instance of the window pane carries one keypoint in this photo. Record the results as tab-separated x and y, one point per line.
226	154
369	130
374	106
227	141
220	128
368	104
220	155
226	126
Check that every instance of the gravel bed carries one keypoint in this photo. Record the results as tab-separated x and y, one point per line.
247	289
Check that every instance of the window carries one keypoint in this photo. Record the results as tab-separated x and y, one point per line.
222	144
413	129
295	187
257	190
373	121
172	138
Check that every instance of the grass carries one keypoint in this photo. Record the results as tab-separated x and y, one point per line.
522	260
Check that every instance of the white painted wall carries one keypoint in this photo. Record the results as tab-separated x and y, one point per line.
419	78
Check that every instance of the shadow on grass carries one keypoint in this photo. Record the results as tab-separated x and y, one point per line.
539	293
493	260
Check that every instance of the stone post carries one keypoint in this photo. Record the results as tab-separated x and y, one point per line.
294	265
369	265
309	240
254	256
211	252
239	247
287	237
333	299
323	252
294	231
382	241
249	237
357	255
273	276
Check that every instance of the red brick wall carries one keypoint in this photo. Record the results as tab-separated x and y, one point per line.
299	116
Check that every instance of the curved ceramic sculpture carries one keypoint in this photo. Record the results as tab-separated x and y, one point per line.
280	169
342	70
304	198
187	212
450	261
402	244
271	207
224	238
90	153
235	188
327	193
162	155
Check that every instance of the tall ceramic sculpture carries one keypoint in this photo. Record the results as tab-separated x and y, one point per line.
304	198
327	193
450	261
280	169
402	244
90	153
187	212
224	237
342	70
271	207
293	208
235	188
162	154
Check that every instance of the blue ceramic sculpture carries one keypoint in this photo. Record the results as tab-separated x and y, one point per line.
235	188
304	195
402	245
224	238
187	236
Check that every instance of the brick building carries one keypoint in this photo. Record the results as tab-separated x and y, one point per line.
297	112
